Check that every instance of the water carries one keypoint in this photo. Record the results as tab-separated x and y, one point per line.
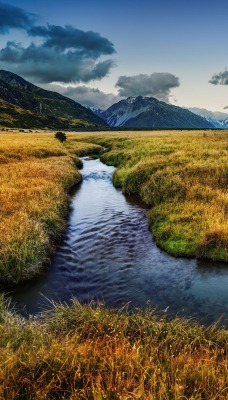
108	254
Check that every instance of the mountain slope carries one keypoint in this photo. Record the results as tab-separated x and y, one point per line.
17	117
148	112
17	91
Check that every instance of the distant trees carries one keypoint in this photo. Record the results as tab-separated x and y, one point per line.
61	136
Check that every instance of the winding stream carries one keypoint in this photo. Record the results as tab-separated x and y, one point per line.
108	254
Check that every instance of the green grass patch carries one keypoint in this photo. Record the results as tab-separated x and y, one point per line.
184	176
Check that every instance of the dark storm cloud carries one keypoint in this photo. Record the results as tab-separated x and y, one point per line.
59	53
90	97
67	37
66	55
220	79
45	64
225	108
157	84
14	17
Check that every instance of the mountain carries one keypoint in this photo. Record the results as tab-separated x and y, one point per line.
16	117
225	123
148	112
44	108
97	111
217	118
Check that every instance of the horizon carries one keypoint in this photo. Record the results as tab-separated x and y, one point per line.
102	53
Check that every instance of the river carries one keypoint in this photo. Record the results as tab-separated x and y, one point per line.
108	254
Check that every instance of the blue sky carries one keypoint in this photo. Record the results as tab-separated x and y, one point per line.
185	41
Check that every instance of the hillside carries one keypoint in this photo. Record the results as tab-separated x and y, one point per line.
41	107
13	116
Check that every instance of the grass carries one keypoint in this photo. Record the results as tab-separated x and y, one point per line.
89	352
183	177
86	351
36	175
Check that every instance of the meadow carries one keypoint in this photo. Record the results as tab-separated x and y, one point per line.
36	174
183	177
87	351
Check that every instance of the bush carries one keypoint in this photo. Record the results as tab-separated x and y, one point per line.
61	136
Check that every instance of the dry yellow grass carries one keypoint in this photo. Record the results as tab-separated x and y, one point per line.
36	174
182	175
88	352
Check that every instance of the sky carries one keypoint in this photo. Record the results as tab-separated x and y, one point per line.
98	52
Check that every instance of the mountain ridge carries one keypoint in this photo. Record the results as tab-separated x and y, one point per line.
148	112
44	103
49	109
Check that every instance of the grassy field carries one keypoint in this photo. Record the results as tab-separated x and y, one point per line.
36	174
183	177
88	352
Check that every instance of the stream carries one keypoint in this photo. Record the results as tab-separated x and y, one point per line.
108	254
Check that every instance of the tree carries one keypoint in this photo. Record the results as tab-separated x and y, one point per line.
61	136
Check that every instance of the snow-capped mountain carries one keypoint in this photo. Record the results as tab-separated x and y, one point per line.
118	114
96	111
225	123
148	112
221	124
217	118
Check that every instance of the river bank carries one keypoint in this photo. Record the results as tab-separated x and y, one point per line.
36	175
89	352
183	177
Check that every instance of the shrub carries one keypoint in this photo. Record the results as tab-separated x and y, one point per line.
61	136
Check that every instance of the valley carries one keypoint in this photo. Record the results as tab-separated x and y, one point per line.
182	178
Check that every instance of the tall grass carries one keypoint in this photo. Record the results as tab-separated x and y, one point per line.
183	176
35	177
86	351
89	352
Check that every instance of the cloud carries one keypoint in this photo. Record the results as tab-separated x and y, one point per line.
59	54
73	59
87	96
158	85
64	38
12	17
46	65
225	107
220	79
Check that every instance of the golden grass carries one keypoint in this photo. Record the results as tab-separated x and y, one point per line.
183	176
89	352
35	177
